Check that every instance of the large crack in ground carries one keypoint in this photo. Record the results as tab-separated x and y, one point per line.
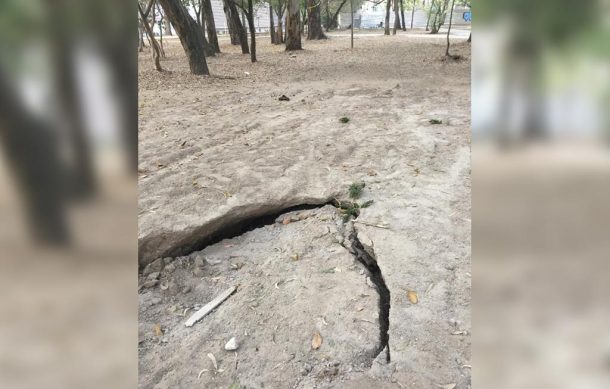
370	262
355	247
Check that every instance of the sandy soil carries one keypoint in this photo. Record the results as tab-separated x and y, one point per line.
220	150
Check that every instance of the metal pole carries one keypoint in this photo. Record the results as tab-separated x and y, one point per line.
351	7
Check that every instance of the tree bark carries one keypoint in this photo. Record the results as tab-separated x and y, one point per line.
190	34
271	25
156	52
396	18
239	27
449	29
31	148
387	17
314	21
333	22
210	24
402	15
429	15
293	31
412	15
231	25
250	17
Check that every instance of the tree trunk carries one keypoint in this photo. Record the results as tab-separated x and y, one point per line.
333	22
154	18
396	18
231	25
156	51
293	31
250	17
314	21
210	25
412	15
449	29
32	150
280	32
429	15
191	35
387	17
241	31
402	16
271	25
141	36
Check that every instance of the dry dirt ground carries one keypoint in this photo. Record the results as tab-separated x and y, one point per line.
222	152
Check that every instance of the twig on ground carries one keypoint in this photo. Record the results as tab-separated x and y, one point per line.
372	225
209	306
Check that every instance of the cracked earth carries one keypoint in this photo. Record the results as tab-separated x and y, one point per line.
237	190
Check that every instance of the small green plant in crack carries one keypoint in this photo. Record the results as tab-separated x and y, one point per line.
355	189
435	121
351	209
344	119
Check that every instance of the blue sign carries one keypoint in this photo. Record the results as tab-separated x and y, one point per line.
467	16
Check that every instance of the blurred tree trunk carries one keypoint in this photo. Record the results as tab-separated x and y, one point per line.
250	18
402	15
396	18
210	25
271	25
333	21
190	34
32	151
280	26
239	27
231	25
387	17
314	22
156	51
293	31
412	15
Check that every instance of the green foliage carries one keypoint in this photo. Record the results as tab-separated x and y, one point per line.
355	189
366	204
344	119
435	121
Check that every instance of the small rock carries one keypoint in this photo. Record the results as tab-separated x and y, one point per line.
168	260
186	289
231	345
155	301
199	262
367	243
369	282
150	284
198	272
284	98
170	268
154	267
153	276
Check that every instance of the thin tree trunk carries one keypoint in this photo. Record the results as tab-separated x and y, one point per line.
210	24
231	25
241	31
191	35
250	17
449	29
333	22
141	36
387	17
402	15
469	38
154	18
156	51
429	15
412	15
314	21
293	31
271	25
396	18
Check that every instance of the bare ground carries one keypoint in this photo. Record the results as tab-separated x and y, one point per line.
221	151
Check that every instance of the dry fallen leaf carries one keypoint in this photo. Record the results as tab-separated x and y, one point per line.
295	257
448	386
412	296
158	331
316	342
213	358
